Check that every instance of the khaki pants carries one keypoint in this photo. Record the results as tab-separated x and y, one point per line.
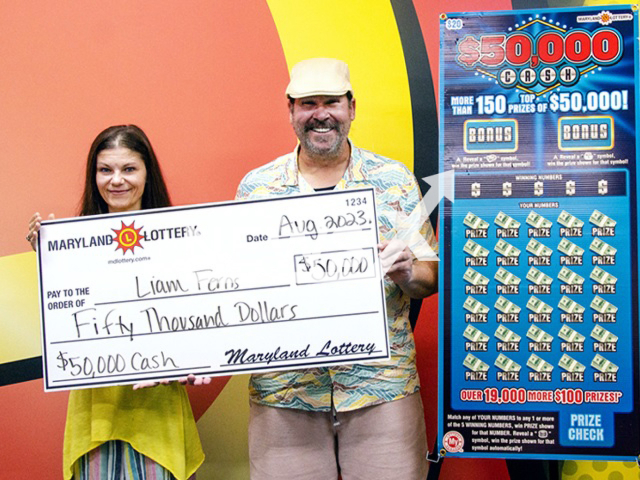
383	442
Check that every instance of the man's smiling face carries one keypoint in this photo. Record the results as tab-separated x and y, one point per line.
322	122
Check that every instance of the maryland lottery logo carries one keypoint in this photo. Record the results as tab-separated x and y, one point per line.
128	237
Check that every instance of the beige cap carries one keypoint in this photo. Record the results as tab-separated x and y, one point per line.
319	76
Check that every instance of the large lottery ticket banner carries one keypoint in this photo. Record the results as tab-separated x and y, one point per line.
212	289
539	310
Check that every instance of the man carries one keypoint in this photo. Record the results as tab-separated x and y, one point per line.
364	422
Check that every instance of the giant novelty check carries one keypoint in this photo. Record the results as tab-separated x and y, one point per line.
282	283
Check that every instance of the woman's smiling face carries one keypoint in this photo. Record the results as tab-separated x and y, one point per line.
121	176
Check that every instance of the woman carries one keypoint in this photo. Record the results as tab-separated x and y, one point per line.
117	432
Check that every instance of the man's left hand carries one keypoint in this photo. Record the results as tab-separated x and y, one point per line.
418	279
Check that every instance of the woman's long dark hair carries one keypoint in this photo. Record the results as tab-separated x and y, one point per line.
155	193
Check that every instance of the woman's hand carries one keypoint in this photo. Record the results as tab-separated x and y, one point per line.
150	384
34	228
191	379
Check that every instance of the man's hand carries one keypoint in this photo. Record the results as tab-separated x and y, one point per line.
416	279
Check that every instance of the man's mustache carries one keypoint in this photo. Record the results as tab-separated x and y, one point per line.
312	124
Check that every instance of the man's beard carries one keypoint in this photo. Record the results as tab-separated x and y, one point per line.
315	148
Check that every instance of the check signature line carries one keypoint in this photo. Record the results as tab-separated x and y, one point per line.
342	355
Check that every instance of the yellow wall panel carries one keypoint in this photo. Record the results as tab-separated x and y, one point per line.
19	315
364	34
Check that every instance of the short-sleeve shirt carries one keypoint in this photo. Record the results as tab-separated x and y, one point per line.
348	387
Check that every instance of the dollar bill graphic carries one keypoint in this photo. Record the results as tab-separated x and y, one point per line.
475	278
601	220
538	249
568	220
570	364
506	306
506	364
537	364
538	306
475	222
474	306
569	306
570	277
538	335
475	335
568	334
599	304
506	335
538	221
505	277
603	365
506	249
475	249
569	248
603	335
474	364
505	221
602	277
536	276
601	247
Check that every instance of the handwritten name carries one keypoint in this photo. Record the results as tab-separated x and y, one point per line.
202	280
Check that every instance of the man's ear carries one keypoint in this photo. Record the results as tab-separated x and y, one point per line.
290	106
352	107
